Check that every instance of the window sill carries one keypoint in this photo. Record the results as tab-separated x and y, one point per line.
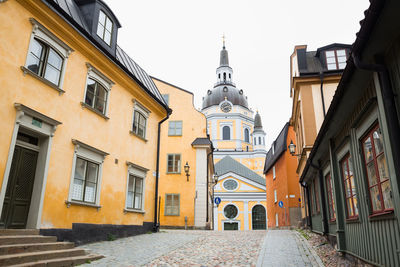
386	215
175	135
353	220
171	215
84	105
52	85
332	221
126	210
138	136
173	173
79	203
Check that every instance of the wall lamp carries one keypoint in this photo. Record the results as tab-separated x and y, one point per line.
292	149
186	168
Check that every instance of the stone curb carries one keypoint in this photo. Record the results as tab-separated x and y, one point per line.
262	251
312	251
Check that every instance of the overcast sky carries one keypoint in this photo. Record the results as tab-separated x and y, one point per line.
179	41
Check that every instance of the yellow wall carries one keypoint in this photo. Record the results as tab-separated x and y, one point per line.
84	125
193	126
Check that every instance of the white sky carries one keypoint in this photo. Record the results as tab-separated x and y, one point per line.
179	41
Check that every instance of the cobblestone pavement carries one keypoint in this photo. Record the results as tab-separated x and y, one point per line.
287	248
206	248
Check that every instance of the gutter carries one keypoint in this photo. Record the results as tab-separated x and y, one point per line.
156	225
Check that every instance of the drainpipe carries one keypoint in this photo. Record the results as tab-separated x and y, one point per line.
156	225
389	106
321	77
208	178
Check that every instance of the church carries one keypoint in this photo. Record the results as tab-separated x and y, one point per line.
239	141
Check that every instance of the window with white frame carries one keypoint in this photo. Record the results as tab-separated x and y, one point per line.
226	133
171	204
86	174
140	116
135	187
275	196
336	59
105	28
246	135
47	56
97	91
273	172
174	163
175	128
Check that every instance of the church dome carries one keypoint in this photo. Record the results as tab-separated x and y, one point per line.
218	94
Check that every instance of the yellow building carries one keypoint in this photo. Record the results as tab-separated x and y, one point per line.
78	145
314	76
235	133
185	200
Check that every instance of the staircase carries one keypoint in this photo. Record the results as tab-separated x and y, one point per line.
25	247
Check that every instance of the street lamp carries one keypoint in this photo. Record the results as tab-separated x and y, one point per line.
186	168
292	149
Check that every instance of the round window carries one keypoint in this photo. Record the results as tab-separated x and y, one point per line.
230	184
230	211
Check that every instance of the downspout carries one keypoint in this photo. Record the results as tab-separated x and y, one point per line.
389	106
208	179
321	77
156	225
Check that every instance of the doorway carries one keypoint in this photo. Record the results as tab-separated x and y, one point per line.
20	182
258	218
231	226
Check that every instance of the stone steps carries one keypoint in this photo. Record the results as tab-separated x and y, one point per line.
26	247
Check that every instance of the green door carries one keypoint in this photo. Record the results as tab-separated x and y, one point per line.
19	188
231	226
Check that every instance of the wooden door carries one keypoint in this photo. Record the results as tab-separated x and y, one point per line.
19	188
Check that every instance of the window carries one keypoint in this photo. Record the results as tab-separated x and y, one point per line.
349	187
380	191
316	196
104	28
171	204
276	220
86	174
336	59
275	196
331	201
273	148
273	172
226	133
135	193
259	140
246	135
139	124
47	56
230	211
85	181
255	139
166	98
175	128
174	163
230	184
96	96
224	76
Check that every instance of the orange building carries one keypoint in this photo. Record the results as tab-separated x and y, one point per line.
282	182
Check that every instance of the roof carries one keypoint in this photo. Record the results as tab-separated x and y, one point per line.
170	84
280	146
228	164
224	60
201	141
257	121
69	10
312	62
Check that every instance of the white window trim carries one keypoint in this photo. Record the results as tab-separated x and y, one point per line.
42	33
95	74
179	204
180	163
145	112
237	183
273	173
140	172
244	135
237	215
90	153
221	126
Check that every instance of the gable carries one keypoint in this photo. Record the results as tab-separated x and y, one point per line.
243	184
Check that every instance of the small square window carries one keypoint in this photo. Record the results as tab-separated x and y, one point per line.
336	59
171	204
175	128
174	163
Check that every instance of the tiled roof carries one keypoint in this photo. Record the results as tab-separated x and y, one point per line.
280	146
201	141
228	164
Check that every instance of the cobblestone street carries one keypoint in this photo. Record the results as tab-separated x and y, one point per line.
207	248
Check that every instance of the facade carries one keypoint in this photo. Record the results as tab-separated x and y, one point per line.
234	132
353	169
78	145
314	76
282	182
185	201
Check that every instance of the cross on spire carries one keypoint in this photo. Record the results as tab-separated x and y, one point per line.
223	40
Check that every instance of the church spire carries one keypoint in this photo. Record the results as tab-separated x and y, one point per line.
224	61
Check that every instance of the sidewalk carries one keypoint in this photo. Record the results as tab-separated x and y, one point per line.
287	248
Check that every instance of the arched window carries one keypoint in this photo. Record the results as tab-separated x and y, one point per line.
246	135
219	75
224	76
259	140
226	133
255	141
229	75
264	140
258	218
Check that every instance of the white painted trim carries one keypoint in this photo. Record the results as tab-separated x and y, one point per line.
230	221
141	173
233	204
244	179
230	190
246	215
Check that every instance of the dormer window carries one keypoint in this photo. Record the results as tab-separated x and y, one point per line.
336	59
104	28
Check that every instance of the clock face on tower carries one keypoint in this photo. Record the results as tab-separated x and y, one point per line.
226	106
